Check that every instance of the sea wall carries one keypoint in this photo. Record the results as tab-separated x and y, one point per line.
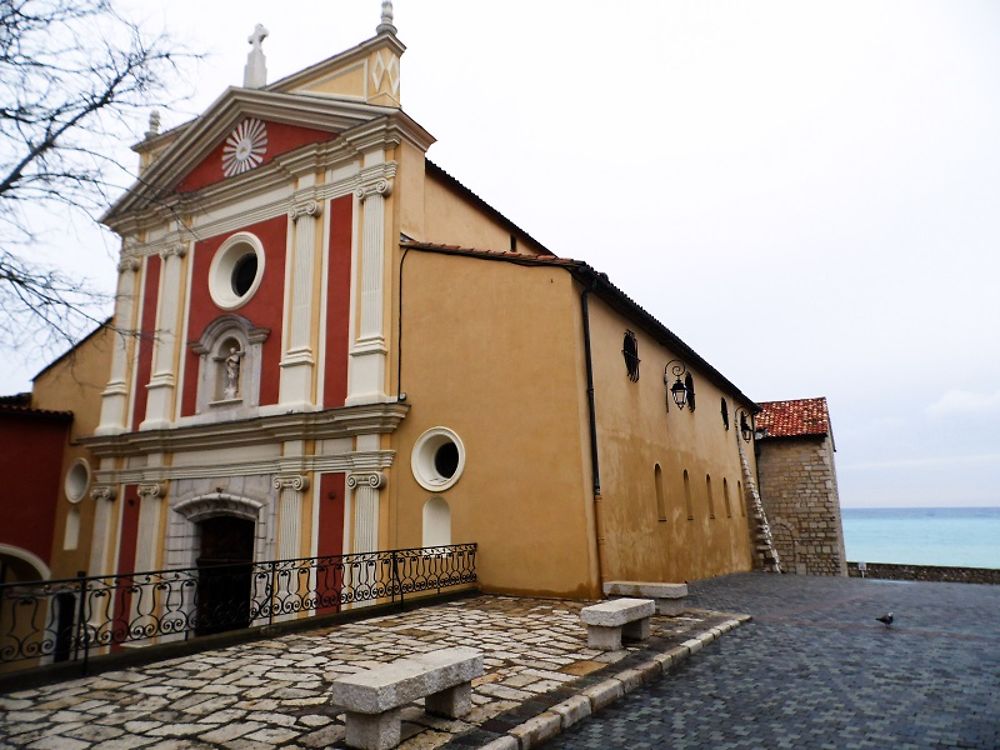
898	572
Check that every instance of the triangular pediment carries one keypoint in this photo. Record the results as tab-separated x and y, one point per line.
203	153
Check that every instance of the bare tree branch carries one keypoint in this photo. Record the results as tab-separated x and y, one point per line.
74	74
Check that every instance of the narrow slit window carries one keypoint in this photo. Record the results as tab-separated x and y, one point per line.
661	502
689	385
725	414
725	498
687	496
740	499
708	492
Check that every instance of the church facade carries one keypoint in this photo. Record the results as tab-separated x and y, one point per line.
331	345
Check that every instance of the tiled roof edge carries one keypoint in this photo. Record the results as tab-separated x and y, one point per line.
453	182
620	301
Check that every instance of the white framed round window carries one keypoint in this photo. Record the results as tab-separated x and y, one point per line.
77	480
236	271
438	459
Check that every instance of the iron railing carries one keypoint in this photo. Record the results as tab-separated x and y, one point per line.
71	618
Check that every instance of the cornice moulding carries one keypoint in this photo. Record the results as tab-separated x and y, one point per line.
364	461
381	418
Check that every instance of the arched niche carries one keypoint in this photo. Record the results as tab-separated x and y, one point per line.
436	523
230	354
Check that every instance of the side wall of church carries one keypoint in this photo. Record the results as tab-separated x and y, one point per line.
671	481
74	383
798	486
493	352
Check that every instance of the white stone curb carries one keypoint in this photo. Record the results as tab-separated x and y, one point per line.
560	717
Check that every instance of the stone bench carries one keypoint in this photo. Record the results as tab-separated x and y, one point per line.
608	622
667	596
372	699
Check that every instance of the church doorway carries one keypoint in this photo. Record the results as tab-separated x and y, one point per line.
225	568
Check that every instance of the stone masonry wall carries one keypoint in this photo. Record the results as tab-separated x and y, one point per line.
798	485
899	572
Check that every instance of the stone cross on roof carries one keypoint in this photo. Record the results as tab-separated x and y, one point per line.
255	72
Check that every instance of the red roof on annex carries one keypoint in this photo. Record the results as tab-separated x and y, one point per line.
797	418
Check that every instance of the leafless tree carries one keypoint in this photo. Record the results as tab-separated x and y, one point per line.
75	78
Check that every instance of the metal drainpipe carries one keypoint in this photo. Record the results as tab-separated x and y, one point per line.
594	461
400	393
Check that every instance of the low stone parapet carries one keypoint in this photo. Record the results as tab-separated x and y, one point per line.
944	573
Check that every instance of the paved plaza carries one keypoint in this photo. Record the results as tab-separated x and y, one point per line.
274	693
814	670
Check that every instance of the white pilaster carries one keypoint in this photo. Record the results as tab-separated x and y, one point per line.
365	488
151	497
114	399
288	587
103	495
298	362
369	352
160	400
291	488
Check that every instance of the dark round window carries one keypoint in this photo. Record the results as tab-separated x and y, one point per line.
244	273
446	460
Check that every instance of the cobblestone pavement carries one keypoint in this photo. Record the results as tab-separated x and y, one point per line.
814	670
273	693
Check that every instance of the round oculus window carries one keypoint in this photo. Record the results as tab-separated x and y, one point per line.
438	459
236	271
77	480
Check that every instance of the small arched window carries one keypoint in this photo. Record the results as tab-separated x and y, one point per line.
725	414
725	497
630	350
708	492
689	384
661	501
687	496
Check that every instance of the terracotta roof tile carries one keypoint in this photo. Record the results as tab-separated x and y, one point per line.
796	418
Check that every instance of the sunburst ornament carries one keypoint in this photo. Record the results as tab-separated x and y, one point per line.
245	147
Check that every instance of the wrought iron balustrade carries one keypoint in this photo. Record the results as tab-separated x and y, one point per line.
68	619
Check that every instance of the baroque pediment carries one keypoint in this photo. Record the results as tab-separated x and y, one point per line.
243	130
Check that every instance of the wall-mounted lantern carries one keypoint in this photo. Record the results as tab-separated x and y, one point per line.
677	391
746	427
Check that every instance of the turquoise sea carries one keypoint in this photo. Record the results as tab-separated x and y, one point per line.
966	537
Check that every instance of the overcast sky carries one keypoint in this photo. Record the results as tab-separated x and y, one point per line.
808	193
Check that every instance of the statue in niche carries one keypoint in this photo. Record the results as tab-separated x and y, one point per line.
231	374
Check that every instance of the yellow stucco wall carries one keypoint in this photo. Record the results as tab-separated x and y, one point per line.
74	383
451	219
493	351
635	433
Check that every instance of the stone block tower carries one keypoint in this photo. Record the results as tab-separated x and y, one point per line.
798	485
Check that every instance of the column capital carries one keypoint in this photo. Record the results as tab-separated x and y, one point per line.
373	479
129	263
179	250
152	489
381	187
310	207
104	492
297	482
